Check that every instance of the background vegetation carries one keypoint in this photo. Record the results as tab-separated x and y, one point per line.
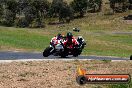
106	34
101	24
33	13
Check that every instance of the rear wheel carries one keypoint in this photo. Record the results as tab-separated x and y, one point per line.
64	53
76	53
47	51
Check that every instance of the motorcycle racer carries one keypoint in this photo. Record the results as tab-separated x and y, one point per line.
70	41
56	40
65	45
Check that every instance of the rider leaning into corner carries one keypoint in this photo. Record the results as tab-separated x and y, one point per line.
56	40
70	41
64	46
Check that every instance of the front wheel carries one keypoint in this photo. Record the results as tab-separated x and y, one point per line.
47	51
131	57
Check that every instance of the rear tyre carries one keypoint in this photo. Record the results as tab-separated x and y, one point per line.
63	56
75	53
64	53
47	52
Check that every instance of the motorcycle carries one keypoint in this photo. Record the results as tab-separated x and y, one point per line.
59	49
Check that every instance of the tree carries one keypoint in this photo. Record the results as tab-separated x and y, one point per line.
34	12
55	8
65	13
29	16
118	5
130	4
61	9
8	18
26	13
1	11
94	5
11	11
41	8
79	6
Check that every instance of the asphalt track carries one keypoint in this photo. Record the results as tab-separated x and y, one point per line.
9	55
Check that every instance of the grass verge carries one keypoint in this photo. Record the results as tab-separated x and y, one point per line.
100	32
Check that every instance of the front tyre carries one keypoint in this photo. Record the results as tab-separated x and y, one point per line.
131	57
47	51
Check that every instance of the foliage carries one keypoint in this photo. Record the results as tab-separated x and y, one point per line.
11	11
95	5
119	5
79	6
65	13
55	8
61	9
9	18
32	13
41	9
1	11
35	10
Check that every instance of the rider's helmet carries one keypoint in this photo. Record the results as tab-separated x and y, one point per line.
59	36
69	35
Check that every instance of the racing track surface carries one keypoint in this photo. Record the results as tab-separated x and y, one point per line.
8	55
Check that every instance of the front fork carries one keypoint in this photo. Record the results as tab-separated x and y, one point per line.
53	48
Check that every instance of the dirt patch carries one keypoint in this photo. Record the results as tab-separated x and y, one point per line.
55	74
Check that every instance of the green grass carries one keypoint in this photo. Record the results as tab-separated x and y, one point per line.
23	39
109	45
97	30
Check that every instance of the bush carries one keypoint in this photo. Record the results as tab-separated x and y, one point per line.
55	8
9	18
22	23
61	9
1	11
95	5
119	5
37	23
66	13
79	6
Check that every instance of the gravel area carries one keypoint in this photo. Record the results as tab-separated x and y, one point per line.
55	74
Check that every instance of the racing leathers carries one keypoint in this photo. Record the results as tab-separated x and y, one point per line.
70	43
55	40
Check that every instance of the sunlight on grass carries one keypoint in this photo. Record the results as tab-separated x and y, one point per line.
97	29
